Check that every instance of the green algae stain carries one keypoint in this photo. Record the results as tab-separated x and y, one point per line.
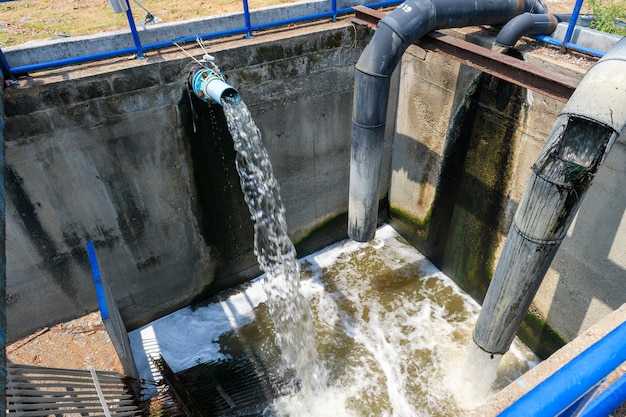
334	40
539	336
476	221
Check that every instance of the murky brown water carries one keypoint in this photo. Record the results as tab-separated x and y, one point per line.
391	331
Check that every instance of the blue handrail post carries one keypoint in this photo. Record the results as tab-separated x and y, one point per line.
97	281
113	322
246	16
133	31
572	23
334	7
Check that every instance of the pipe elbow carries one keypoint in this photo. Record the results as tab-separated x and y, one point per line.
525	24
535	7
395	32
601	94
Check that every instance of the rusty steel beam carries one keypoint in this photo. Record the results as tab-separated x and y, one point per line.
513	70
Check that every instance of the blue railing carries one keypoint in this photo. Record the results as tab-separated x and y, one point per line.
567	39
140	49
567	392
247	29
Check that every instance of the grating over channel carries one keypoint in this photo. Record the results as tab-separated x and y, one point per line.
230	387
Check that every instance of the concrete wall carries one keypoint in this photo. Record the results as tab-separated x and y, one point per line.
463	150
108	153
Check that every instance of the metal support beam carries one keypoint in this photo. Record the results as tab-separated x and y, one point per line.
513	70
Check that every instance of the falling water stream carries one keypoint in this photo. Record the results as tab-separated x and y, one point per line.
365	325
370	329
290	311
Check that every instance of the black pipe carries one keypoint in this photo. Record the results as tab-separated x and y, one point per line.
403	26
581	139
526	24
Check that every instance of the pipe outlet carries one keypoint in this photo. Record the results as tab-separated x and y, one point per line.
210	86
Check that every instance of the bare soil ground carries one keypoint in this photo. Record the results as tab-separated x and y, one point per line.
82	343
25	20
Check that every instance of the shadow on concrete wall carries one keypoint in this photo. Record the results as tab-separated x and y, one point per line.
222	213
467	214
589	272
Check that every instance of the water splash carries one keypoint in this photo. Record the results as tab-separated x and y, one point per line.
392	332
477	377
290	311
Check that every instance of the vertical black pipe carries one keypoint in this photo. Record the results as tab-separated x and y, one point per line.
406	24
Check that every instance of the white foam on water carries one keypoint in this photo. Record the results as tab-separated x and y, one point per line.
189	336
393	332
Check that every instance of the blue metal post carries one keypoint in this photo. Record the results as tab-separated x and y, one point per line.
334	8
572	22
246	16
113	322
133	31
97	281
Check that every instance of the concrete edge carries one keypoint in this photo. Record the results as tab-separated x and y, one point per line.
543	370
587	37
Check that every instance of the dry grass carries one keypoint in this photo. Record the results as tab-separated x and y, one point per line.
26	20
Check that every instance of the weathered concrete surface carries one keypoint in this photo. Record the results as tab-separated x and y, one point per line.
107	153
99	158
469	153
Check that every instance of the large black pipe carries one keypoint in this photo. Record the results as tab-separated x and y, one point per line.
583	134
406	24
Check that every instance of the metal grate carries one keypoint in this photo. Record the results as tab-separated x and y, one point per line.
37	391
234	387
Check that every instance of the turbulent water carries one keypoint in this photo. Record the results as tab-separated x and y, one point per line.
392	332
371	329
290	311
